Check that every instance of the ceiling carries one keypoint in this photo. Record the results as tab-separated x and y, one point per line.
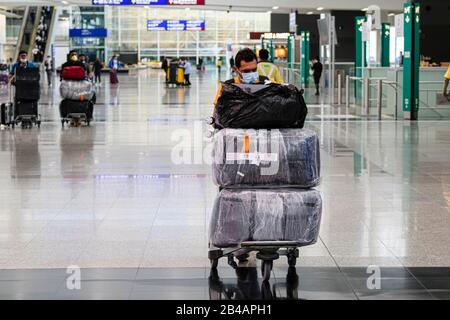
256	5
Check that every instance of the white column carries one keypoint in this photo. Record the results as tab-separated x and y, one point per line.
2	37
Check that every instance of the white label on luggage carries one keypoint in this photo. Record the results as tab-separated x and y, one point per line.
241	174
254	157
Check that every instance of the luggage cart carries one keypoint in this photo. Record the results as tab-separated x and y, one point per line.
267	252
75	112
26	98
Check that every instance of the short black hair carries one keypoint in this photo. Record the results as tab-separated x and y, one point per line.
22	52
246	54
264	54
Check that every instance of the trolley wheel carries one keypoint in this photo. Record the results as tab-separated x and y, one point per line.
243	257
62	123
214	263
266	269
39	125
88	122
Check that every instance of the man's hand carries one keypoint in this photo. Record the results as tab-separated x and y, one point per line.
12	79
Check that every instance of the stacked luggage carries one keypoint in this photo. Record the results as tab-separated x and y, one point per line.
267	201
78	95
26	98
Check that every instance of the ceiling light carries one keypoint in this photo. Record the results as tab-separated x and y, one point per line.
309	13
269	12
64	2
391	14
275	7
319	8
364	9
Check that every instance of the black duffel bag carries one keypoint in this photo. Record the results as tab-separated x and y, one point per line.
258	106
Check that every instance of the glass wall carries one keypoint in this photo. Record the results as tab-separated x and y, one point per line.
127	29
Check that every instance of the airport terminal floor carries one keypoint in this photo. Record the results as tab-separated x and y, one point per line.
109	199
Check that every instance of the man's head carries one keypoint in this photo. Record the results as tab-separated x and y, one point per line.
246	65
73	55
82	57
23	56
264	55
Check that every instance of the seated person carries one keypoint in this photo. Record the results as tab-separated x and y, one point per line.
246	70
22	62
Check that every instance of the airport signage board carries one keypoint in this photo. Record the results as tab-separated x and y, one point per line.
88	33
148	2
175	25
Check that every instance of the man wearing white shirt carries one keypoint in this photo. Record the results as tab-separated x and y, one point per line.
187	72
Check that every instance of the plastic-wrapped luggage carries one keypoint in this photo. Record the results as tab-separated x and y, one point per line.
259	106
77	90
285	157
265	215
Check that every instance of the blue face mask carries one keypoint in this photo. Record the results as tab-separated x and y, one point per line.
251	77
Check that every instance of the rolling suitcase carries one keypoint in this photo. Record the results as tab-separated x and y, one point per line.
265	215
113	78
266	158
68	107
6	113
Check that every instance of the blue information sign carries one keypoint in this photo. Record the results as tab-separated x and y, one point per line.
176	25
88	33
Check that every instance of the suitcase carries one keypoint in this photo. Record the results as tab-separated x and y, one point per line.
27	90
265	215
74	73
28	74
25	108
113	77
6	113
71	106
266	158
180	76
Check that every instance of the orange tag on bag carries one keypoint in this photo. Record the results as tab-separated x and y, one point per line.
81	98
246	146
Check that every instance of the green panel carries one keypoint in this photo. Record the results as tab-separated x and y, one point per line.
271	51
305	57
360	56
385	44
411	60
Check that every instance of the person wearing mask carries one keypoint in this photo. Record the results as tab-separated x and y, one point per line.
114	66
72	61
98	66
187	72
317	73
446	81
22	62
87	66
267	68
48	70
246	70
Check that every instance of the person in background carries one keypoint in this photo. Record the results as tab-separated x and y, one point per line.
114	66
22	62
87	66
317	68
48	70
187	72
400	59
219	65
267	68
246	70
98	66
165	66
232	63
446	81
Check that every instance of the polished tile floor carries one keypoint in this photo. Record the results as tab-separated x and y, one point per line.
115	196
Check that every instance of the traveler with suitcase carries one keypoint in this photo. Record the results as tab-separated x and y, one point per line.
25	77
114	66
266	167
77	91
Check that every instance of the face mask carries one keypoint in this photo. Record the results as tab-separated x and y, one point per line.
74	58
251	77
23	60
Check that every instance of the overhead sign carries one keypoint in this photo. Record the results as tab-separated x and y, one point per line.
293	22
176	25
148	2
399	25
88	33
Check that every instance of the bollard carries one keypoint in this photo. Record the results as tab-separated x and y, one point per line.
339	102
379	98
366	94
347	87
